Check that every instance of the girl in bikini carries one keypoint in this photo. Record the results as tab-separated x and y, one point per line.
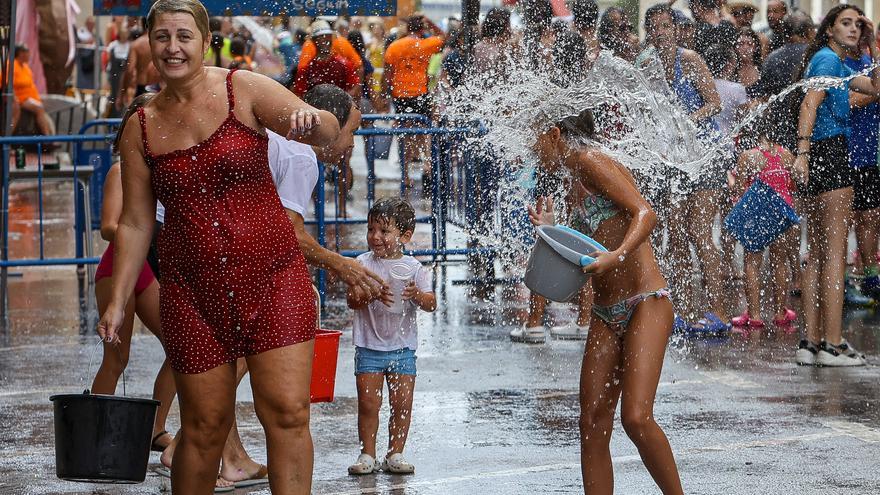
632	314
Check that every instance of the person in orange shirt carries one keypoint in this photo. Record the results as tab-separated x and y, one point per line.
339	46
26	93
406	65
405	79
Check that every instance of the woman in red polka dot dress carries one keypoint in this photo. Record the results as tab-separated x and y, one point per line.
234	282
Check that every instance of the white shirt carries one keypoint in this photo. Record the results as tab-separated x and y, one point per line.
294	169
117	49
376	327
732	95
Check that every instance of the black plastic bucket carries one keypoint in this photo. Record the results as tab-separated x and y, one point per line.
103	438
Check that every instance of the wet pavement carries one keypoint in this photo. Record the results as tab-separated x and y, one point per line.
490	416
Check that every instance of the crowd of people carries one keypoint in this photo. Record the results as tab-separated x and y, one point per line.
208	146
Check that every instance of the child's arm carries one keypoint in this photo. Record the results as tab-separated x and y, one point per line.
747	167
426	301
788	161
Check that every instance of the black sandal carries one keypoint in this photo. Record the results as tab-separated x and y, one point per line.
156	447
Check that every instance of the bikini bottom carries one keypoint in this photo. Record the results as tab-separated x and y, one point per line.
617	315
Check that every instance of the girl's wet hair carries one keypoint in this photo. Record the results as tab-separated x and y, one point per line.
582	125
757	57
132	109
396	211
821	39
497	23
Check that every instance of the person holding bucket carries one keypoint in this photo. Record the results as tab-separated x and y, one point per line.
294	169
771	165
234	281
632	312
144	302
822	148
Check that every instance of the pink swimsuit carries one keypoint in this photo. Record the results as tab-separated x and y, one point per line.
775	175
105	270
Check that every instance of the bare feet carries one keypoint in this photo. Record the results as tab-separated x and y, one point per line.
161	439
168	453
240	469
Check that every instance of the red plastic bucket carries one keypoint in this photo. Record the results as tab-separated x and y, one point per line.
324	365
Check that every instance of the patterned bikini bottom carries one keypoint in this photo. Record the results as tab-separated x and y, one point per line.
617	315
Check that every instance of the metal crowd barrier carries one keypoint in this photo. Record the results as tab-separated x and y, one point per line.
451	192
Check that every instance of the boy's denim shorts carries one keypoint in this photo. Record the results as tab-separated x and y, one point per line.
399	361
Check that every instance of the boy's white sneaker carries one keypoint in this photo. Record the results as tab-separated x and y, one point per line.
395	463
365	465
572	331
529	335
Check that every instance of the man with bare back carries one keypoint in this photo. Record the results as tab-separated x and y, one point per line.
140	72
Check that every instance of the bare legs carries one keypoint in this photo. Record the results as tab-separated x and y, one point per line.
43	122
280	379
400	397
146	306
628	370
537	305
827	229
691	222
867	227
204	426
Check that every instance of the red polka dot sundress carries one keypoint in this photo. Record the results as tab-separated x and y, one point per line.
234	281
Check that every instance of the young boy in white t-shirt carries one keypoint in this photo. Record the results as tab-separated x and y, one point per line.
385	334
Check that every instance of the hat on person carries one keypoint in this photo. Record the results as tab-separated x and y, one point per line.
321	28
742	5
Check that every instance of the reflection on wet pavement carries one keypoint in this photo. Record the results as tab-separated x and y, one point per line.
490	416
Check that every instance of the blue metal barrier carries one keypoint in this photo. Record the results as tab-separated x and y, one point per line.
451	192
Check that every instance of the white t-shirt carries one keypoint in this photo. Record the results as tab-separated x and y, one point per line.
733	95
376	327
294	169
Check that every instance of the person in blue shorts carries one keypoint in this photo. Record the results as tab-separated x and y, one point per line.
385	334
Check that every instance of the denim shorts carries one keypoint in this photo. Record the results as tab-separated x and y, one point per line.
399	361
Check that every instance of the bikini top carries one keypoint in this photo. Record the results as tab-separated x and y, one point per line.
594	210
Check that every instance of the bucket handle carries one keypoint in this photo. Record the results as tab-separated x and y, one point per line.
570	254
92	356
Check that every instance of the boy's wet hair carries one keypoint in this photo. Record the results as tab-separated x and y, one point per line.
394	210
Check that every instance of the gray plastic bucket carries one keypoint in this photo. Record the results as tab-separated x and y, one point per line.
554	269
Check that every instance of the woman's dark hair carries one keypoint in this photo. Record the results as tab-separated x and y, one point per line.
396	211
569	57
582	125
237	46
757	57
217	46
537	15
821	39
654	11
299	36
609	31
357	41
132	109
585	14
415	24
497	23
718	56
330	98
